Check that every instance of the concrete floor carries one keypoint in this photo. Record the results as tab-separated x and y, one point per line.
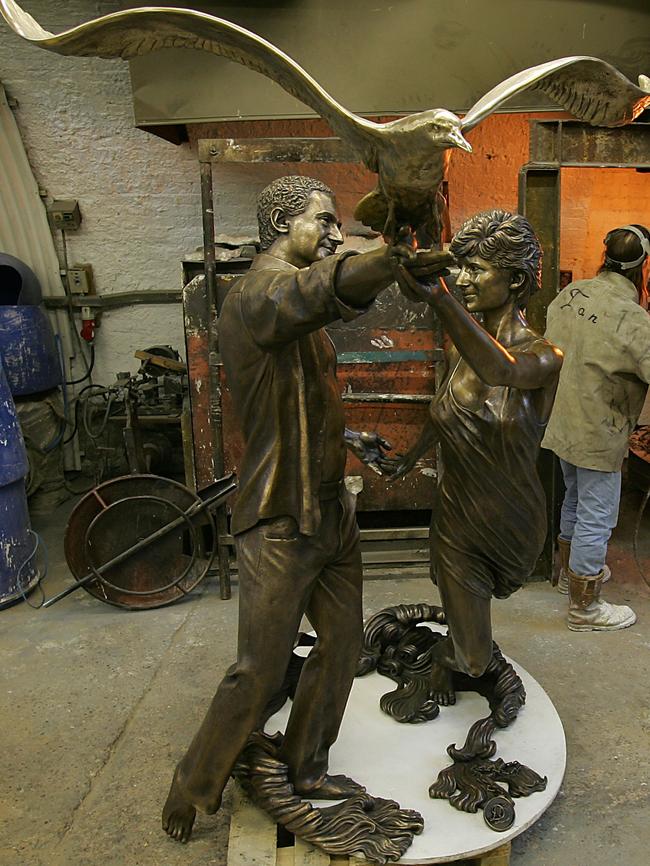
101	703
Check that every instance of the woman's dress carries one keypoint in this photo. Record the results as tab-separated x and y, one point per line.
490	518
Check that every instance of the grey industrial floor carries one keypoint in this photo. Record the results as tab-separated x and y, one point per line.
101	703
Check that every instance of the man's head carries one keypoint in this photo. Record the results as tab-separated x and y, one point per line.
507	241
298	219
627	252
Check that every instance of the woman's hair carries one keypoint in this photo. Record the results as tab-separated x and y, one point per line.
621	246
289	193
507	241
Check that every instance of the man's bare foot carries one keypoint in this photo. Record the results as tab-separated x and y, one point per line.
441	685
178	813
330	788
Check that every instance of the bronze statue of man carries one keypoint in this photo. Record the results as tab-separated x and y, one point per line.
488	416
294	525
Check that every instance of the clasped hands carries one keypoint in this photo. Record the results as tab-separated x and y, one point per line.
416	271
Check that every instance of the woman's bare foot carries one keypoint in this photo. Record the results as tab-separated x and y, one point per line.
178	813
330	788
441	685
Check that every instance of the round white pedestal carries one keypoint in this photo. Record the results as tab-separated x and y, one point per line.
400	761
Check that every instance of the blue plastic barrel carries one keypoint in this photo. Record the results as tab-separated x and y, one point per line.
18	569
18	282
28	350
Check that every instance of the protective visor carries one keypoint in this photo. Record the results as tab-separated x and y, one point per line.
645	246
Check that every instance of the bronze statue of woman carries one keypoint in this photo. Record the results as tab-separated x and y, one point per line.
488	416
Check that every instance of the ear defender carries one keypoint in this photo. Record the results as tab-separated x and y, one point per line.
645	246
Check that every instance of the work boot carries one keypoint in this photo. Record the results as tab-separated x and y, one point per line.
562	580
588	612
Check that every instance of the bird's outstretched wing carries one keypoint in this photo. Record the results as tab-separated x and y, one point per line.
135	32
590	89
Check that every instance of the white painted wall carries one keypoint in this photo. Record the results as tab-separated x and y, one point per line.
139	195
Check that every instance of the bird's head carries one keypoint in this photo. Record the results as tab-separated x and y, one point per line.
444	129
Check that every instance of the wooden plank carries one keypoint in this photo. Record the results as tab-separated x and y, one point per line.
253	834
286	857
497	857
306	854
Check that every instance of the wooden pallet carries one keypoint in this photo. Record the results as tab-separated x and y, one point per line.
254	842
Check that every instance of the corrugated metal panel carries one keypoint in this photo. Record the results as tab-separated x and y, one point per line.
24	228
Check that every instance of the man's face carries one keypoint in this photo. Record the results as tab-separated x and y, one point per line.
316	232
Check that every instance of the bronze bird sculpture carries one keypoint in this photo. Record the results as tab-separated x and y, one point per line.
409	155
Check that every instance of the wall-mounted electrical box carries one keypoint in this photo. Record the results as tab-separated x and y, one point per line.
80	279
65	214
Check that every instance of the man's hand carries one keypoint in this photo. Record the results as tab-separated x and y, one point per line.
417	272
370	448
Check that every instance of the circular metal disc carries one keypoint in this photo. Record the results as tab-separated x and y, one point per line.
499	813
120	513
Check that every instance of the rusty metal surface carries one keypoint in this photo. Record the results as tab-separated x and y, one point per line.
639	462
252	150
122	512
539	201
568	143
197	322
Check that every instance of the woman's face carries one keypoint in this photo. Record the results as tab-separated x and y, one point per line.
484	286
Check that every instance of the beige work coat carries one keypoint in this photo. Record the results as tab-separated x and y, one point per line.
605	336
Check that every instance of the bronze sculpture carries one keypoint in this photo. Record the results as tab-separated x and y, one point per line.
488	416
408	154
296	534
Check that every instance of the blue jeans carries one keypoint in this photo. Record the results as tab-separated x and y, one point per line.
589	513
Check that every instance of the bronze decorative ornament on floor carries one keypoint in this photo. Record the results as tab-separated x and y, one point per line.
396	646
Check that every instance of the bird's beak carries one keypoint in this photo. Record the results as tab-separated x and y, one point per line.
457	139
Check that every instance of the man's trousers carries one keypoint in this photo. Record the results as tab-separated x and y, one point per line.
589	513
283	575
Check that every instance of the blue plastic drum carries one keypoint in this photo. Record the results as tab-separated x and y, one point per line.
18	568
28	350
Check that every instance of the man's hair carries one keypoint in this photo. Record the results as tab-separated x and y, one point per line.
289	193
621	246
507	241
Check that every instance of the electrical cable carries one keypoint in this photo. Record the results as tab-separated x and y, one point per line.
89	370
95	434
41	576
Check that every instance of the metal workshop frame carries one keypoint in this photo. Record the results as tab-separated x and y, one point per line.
409	369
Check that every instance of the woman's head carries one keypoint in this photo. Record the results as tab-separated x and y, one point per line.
507	241
626	253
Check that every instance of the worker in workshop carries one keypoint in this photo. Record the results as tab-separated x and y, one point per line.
294	525
603	328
